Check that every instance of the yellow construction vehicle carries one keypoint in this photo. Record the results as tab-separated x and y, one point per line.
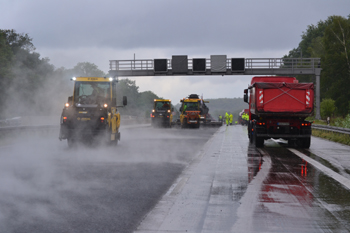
91	113
190	113
162	113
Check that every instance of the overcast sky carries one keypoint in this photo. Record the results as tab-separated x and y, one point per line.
72	31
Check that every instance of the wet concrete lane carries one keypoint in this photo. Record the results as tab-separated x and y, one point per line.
238	188
295	196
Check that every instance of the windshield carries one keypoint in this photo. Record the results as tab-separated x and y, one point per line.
162	105
192	106
92	92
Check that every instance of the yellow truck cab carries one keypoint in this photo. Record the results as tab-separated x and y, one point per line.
190	113
162	113
91	112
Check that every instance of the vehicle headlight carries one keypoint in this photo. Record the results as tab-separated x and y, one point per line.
105	105
67	105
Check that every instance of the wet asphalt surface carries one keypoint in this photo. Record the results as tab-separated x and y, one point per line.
46	187
173	180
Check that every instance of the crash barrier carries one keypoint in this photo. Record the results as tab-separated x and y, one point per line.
332	129
49	129
11	132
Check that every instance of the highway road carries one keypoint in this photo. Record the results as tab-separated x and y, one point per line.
174	180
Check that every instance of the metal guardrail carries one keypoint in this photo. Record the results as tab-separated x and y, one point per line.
332	129
9	129
38	127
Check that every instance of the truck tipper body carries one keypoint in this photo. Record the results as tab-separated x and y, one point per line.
278	107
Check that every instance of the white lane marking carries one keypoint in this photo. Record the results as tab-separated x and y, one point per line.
341	179
245	211
178	188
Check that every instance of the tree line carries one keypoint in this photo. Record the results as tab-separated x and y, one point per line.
30	85
329	40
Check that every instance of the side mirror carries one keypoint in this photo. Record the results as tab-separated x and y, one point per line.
245	97
70	99
172	109
125	100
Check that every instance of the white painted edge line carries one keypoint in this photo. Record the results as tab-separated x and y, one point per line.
249	200
341	179
178	185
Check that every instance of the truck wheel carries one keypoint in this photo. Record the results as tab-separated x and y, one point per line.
259	142
306	143
291	143
250	134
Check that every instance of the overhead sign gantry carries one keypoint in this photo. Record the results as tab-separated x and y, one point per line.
219	65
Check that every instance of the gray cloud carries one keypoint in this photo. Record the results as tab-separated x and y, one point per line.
69	32
166	24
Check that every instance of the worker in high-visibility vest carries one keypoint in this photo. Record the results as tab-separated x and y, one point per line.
227	118
231	119
220	118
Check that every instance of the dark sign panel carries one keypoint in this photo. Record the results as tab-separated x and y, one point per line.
237	64
160	65
199	64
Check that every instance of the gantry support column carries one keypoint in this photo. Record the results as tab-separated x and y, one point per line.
318	94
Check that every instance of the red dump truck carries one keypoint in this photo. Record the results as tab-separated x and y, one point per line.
278	107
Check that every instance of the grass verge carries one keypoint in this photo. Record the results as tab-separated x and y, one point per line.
332	136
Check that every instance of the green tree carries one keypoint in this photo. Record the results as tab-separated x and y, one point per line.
87	69
330	40
336	64
22	74
128	88
6	56
311	45
327	108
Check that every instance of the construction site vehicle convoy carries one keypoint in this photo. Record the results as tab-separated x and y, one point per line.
278	107
162	113
91	113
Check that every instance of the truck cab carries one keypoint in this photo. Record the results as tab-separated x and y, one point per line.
162	113
91	112
190	113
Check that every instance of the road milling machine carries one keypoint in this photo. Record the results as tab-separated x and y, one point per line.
91	113
194	113
162	113
203	108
